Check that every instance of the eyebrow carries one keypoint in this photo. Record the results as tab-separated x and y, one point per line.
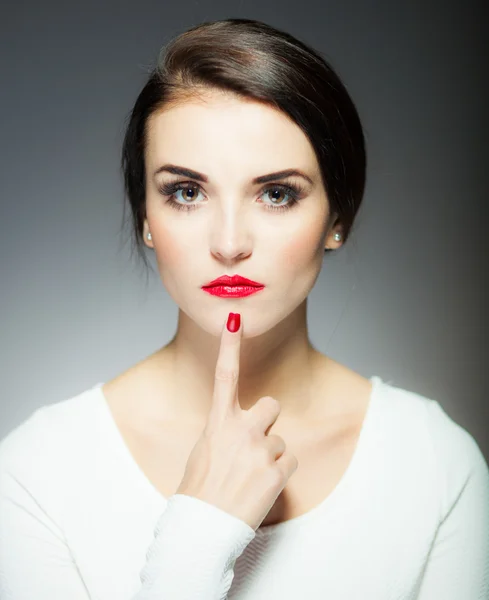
176	170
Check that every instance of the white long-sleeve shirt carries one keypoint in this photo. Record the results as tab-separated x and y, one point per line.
79	520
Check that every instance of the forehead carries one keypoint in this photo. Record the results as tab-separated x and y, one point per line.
225	128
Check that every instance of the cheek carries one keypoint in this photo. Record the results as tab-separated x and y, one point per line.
303	248
173	260
169	249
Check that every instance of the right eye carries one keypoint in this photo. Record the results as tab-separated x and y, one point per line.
171	189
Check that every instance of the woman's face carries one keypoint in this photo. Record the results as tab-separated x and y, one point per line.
228	224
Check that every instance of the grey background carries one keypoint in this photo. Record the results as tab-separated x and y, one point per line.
404	299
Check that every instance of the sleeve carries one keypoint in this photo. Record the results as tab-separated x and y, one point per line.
192	555
194	552
458	563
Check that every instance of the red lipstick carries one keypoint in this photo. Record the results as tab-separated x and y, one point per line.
233	286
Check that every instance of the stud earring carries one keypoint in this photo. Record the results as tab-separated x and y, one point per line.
149	235
337	238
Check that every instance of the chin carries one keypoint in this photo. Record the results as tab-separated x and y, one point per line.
254	321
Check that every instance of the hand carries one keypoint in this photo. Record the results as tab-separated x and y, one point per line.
235	465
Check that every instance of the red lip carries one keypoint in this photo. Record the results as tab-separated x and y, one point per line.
233	280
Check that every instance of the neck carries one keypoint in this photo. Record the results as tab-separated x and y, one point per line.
281	363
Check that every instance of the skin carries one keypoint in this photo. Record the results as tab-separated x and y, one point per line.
232	141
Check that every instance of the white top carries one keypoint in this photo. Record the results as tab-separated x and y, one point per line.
79	520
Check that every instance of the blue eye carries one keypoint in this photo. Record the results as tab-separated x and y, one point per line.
171	189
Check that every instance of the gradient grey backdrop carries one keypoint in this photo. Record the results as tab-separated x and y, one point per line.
405	297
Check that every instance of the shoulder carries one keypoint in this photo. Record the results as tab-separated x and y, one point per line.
43	474
452	445
444	451
37	444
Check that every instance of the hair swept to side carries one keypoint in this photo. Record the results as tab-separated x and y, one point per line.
254	61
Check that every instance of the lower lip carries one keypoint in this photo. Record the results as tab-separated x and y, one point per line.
235	291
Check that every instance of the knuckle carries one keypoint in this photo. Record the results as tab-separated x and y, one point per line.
265	455
253	431
275	405
226	374
292	462
276	476
270	404
277	442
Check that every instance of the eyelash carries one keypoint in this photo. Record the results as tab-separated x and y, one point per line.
169	189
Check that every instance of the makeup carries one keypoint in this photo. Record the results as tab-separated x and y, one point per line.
232	291
234	286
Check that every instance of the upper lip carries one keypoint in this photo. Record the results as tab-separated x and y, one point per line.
233	280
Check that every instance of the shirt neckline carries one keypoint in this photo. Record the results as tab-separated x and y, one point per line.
358	458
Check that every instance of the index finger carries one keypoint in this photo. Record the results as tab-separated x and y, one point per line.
225	395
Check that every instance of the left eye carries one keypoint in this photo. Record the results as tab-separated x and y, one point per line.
280	190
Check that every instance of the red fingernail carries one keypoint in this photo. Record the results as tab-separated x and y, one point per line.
234	321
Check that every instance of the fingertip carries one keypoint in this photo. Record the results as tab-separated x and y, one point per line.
234	322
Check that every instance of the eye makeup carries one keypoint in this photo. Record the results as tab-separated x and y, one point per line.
170	190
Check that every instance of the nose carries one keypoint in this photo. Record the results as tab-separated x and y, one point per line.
230	238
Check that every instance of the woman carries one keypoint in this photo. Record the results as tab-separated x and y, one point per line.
242	462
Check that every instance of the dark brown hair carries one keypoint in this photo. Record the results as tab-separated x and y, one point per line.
259	62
